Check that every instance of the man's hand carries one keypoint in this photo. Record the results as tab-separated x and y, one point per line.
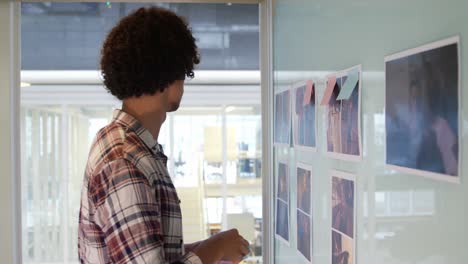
227	245
236	246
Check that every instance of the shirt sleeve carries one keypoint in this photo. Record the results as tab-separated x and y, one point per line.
128	213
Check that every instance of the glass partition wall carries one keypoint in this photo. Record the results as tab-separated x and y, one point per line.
399	217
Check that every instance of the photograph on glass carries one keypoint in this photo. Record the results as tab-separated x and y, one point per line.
422	110
343	217
283	182
342	97
304	210
342	249
282	221
304	186
304	117
282	203
304	236
282	118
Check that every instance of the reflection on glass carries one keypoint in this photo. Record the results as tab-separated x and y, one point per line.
423	202
379	129
404	203
399	203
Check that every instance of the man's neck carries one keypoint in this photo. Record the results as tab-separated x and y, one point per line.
147	111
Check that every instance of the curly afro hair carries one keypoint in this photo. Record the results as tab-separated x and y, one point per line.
146	52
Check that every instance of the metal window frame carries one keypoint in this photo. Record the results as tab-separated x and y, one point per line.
266	69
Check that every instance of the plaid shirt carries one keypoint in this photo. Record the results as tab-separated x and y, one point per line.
130	210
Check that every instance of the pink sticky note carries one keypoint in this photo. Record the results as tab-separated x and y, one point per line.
308	92
329	91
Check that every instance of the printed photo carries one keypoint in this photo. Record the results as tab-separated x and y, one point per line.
343	116
282	220
342	249
422	110
304	235
343	205
283	182
349	123
282	118
304	119
303	189
334	120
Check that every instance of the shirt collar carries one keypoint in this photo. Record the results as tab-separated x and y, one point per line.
131	123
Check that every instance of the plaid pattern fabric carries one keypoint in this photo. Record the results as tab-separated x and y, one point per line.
130	210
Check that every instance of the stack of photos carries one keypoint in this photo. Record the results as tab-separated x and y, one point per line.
304	124
423	111
343	115
282	203
304	211
282	118
343	218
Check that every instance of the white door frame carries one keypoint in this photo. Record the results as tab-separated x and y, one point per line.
10	184
10	196
266	84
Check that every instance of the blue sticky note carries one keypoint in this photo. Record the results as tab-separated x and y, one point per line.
349	85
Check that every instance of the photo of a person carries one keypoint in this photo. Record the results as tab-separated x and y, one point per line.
299	99
283	182
304	119
343	205
304	235
342	249
334	120
278	117
282	118
282	220
286	118
350	122
422	110
303	189
343	120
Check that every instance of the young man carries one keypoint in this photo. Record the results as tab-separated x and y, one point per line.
130	211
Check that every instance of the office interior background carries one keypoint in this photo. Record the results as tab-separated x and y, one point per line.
63	105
